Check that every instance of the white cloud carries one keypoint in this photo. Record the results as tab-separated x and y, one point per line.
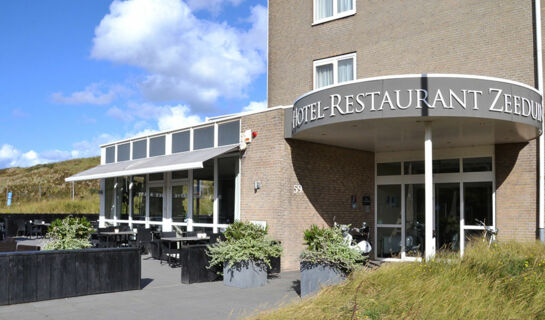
13	157
92	94
90	148
149	117
185	58
255	106
119	114
175	117
213	6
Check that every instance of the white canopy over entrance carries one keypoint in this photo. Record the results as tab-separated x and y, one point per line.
422	112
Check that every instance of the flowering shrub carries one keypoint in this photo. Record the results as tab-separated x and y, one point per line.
69	233
327	245
244	241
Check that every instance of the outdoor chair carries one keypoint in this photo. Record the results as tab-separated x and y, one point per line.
35	230
155	249
21	228
143	239
168	234
214	237
28	229
94	240
167	251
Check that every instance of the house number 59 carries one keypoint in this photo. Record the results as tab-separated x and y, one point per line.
297	188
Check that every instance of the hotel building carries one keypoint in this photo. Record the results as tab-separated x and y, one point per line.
418	117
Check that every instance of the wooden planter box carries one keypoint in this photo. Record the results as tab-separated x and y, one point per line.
44	275
194	262
315	276
246	274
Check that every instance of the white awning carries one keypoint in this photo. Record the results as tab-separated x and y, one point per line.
174	162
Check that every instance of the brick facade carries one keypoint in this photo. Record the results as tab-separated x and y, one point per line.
328	175
516	191
479	37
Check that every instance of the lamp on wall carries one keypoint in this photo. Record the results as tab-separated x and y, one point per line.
257	185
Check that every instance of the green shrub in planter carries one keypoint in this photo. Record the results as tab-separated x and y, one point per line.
244	241
327	246
69	233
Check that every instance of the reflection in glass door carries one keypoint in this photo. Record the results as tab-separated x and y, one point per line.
415	218
463	195
179	202
156	203
389	221
447	216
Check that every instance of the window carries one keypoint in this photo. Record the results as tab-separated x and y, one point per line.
203	193
228	133
109	198
180	142
478	164
156	203
157	146
203	138
123	152
139	149
122	198
139	198
389	169
227	174
326	10
110	155
334	70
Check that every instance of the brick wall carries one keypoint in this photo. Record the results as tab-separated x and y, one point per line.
516	191
482	37
328	175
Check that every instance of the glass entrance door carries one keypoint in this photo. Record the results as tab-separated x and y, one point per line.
463	199
447	216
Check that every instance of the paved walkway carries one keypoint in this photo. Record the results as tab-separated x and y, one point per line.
164	297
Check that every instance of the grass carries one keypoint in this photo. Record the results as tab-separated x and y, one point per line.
86	205
506	281
42	189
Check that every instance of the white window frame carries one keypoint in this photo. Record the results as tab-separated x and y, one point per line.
335	61
336	15
460	177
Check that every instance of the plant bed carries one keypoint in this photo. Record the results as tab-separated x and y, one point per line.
327	259
245	255
245	274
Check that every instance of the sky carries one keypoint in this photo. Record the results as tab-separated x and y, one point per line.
77	74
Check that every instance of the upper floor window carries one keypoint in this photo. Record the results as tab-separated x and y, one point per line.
325	10
334	70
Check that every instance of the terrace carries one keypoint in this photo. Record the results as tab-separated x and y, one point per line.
164	296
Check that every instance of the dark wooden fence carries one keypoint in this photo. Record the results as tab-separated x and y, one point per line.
45	275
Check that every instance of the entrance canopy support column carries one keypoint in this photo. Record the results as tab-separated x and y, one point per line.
428	178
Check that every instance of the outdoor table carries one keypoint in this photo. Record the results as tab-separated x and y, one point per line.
115	235
176	240
43	227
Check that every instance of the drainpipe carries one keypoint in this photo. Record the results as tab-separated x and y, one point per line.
539	67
